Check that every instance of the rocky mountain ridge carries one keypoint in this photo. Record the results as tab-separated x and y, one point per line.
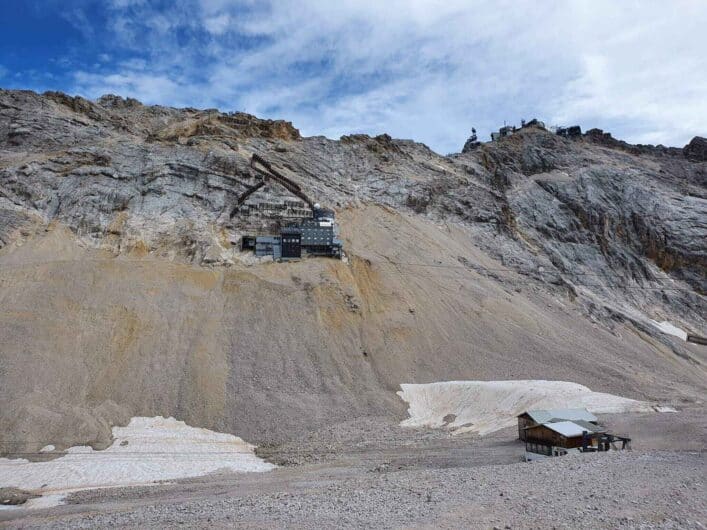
612	231
122	175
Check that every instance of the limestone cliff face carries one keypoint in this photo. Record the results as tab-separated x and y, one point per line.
122	293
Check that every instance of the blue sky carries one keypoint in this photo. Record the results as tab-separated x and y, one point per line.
426	70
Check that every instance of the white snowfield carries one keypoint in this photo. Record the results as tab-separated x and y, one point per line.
146	451
487	406
670	329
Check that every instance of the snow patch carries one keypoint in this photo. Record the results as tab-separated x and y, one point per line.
146	451
667	327
486	406
45	501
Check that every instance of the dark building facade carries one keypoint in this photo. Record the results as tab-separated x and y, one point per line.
575	131
291	243
317	236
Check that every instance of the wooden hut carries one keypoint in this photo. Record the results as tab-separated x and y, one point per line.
554	439
531	418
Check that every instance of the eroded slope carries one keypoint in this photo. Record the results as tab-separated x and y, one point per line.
269	352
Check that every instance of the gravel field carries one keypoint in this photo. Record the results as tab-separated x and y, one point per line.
369	473
629	490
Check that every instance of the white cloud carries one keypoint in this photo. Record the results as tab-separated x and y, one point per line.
427	70
149	88
217	25
648	78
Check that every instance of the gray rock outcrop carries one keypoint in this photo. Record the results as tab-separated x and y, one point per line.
631	219
696	150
